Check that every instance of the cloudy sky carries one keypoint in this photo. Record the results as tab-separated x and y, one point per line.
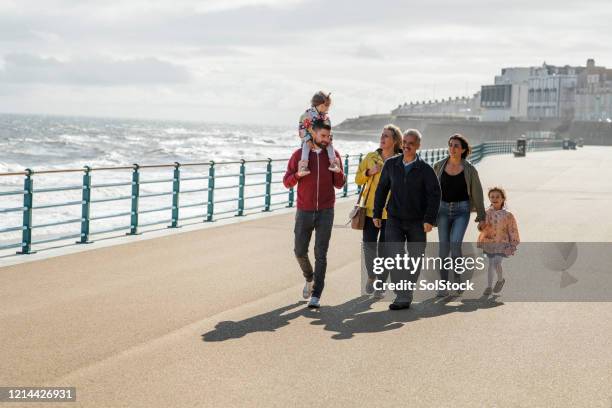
259	61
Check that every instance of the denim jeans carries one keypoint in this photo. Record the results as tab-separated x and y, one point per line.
305	223
372	237
402	236
453	219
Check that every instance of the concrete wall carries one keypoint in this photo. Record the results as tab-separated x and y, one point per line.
436	131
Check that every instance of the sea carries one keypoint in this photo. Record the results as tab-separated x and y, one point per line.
41	143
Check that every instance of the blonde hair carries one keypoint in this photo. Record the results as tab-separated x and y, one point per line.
397	137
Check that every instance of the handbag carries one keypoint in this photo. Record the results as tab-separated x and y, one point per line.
357	215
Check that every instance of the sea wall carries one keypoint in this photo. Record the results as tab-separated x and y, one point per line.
436	131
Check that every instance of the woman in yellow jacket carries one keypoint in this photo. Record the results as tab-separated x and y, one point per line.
368	176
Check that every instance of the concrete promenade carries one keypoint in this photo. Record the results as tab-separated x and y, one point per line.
214	317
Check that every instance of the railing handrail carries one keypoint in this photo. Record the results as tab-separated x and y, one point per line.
146	166
243	178
210	162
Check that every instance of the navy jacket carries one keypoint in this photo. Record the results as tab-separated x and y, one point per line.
415	195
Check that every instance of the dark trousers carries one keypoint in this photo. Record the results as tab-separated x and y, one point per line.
305	223
403	236
372	238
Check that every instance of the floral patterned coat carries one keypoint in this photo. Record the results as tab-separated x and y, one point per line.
307	119
500	234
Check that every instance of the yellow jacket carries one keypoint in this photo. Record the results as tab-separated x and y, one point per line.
371	182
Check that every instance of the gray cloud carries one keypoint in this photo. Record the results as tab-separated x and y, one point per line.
262	56
27	68
364	51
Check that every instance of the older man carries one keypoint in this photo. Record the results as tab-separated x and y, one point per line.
412	209
315	209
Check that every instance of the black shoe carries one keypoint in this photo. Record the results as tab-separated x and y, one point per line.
399	305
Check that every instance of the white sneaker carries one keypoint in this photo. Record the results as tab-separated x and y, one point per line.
379	294
307	291
314	303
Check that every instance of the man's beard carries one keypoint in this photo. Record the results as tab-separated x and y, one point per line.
321	145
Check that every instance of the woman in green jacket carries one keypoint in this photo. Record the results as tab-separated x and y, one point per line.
461	194
368	176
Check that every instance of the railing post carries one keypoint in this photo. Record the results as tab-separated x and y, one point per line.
358	187
268	200
176	189
135	197
85	207
346	171
241	179
291	194
28	199
211	192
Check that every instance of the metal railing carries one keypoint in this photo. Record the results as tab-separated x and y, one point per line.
224	194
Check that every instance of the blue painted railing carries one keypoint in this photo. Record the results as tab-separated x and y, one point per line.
221	199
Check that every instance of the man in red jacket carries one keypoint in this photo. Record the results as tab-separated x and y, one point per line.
315	208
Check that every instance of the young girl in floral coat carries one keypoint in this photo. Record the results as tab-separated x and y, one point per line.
320	104
499	238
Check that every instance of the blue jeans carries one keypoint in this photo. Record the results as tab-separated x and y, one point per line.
453	219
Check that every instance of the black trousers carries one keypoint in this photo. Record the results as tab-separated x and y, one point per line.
321	223
372	239
404	237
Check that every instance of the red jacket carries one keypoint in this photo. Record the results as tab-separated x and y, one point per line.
316	190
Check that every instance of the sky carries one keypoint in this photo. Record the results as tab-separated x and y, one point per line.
260	61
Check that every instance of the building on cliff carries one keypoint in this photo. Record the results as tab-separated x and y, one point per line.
506	99
458	107
545	92
552	92
594	93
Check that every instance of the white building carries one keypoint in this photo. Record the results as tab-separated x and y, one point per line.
594	93
458	107
552	92
507	98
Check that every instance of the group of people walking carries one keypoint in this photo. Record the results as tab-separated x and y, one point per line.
404	198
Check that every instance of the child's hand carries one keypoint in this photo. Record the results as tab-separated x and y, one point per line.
482	225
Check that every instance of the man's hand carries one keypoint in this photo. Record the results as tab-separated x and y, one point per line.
481	225
373	171
427	227
377	222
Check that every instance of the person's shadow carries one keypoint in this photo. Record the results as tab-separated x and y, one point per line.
266	322
346	319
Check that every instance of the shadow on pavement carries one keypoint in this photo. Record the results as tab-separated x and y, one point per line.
346	319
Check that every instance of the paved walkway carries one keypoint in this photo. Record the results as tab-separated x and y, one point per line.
214	317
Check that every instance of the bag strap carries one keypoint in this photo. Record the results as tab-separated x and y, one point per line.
360	194
368	186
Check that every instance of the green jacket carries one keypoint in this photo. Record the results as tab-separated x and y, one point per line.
473	184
